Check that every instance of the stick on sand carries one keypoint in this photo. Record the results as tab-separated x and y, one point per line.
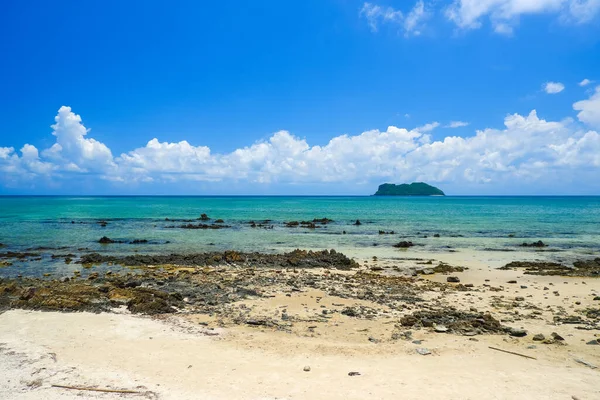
512	352
97	390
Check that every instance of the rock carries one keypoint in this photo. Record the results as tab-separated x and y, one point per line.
437	235
517	332
417	341
519	298
203	217
595	342
597	298
306	368
353	373
556	336
513	281
440	328
219	221
422	351
357	222
404	244
453	279
539	243
105	240
523	287
539	337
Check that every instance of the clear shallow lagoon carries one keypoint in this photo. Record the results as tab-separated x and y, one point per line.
569	225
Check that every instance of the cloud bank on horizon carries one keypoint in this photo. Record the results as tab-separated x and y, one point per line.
528	152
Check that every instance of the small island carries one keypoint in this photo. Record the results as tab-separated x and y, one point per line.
414	189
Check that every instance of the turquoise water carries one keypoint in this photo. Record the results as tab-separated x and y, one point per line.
566	224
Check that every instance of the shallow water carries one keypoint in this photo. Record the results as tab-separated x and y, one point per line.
569	225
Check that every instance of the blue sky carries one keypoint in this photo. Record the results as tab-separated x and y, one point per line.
263	93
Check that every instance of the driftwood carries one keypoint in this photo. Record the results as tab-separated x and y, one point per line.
97	390
512	352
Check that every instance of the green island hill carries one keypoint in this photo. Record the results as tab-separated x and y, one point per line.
414	189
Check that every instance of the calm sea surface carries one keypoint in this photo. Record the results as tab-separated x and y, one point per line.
570	225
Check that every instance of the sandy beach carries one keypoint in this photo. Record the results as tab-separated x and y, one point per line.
304	343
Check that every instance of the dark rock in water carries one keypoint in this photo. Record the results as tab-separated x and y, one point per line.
2	245
539	243
292	224
437	235
294	259
203	217
199	226
323	221
517	332
453	279
139	241
102	223
357	222
403	244
219	221
107	240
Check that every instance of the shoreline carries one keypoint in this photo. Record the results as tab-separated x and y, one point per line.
250	332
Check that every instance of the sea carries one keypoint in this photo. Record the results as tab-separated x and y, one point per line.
54	225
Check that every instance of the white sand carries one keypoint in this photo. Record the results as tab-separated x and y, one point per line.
175	359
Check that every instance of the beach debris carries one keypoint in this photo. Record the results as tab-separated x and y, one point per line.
353	373
512	352
423	351
583	362
306	368
453	279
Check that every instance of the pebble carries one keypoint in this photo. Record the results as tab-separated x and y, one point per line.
423	351
513	281
594	342
440	328
539	337
353	373
453	279
307	368
417	341
519	298
556	336
523	287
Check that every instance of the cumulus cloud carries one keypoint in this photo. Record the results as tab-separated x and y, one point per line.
504	14
457	124
553	87
523	152
589	110
412	23
585	82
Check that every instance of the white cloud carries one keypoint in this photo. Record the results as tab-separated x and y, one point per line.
504	14
412	24
589	110
428	127
457	124
553	87
585	82
377	15
524	152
